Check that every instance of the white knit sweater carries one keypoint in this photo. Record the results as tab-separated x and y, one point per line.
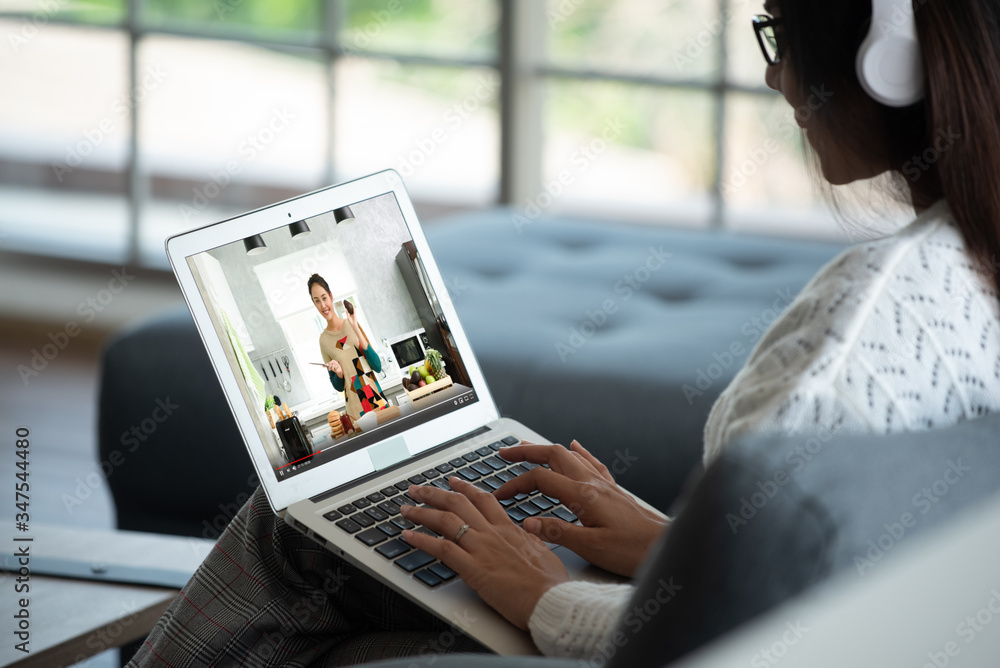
894	335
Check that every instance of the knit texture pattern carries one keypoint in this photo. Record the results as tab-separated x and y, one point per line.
899	334
574	619
893	335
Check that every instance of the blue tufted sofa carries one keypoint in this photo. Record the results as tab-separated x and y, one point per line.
619	336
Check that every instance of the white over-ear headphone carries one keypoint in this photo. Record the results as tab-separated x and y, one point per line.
889	65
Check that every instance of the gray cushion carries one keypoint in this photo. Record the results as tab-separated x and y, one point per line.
747	541
519	293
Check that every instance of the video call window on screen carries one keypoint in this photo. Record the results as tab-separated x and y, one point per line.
333	332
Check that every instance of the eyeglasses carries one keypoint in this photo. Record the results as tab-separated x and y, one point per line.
770	46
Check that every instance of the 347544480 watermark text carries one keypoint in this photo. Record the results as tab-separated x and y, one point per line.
22	541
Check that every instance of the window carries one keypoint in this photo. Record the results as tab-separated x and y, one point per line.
137	119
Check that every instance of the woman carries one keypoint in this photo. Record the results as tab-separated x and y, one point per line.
898	334
350	360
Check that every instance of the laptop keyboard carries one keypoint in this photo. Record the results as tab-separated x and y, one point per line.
375	520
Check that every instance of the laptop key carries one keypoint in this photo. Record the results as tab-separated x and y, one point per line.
564	513
371	537
431	473
444	468
417	479
390	529
402	485
505	476
517	470
346	510
553	499
393	548
443	484
495	446
362	503
483	486
389	508
484	451
429	532
507	502
389	491
528	465
481	468
428	578
376	514
516	514
470	456
403	523
441	571
495	463
361	519
469	474
333	515
511	440
542	502
349	525
414	560
494	482
520	497
375	497
529	509
457	462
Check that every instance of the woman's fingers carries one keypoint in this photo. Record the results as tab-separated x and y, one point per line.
545	481
592	460
557	456
553	530
444	504
484	502
453	555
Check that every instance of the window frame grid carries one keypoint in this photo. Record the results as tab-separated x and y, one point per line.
519	62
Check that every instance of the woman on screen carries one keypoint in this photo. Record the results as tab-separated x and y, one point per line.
350	359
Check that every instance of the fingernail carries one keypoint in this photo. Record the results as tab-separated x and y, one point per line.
403	510
452	480
407	534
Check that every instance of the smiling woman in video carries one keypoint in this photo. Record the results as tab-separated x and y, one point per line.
349	358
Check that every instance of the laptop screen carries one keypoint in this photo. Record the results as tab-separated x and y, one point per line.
312	316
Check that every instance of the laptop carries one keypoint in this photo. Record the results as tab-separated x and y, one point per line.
337	467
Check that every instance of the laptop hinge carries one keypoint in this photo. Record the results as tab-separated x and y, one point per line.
406	462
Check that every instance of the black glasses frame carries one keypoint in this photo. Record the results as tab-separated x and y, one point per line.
763	26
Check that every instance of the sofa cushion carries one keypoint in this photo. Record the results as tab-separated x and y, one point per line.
619	336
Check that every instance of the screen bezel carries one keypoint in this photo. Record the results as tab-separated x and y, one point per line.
419	438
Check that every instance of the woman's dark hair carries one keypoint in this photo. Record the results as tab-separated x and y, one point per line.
948	145
316	279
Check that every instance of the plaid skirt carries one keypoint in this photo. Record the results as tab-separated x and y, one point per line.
268	596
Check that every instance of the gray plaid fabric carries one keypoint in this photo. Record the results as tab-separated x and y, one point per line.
268	596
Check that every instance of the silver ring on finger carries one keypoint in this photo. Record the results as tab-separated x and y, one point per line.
461	532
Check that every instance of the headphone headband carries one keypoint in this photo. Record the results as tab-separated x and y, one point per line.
889	61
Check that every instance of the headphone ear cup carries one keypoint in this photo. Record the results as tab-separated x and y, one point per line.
889	64
890	69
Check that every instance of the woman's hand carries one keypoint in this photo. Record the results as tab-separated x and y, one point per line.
617	531
352	320
334	366
509	568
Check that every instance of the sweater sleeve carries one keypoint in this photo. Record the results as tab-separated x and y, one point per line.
374	361
574	618
336	381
